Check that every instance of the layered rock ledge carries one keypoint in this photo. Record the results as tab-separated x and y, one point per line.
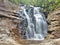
9	34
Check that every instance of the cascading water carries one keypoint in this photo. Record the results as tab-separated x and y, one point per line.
36	23
41	24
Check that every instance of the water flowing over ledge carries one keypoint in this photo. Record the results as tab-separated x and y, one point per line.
9	24
35	25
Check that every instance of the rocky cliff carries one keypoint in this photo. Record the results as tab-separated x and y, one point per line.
54	24
9	34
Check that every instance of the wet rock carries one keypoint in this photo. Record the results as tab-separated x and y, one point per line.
9	34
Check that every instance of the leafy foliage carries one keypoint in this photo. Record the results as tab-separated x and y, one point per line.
47	5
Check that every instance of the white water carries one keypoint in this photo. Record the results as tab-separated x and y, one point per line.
36	29
41	25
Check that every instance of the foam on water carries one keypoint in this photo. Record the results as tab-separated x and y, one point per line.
36	23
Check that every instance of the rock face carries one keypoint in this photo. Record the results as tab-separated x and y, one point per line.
8	25
7	4
8	30
54	24
9	34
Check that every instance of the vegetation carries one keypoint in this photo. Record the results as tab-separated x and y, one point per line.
47	5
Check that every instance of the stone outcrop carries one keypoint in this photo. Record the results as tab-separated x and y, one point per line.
54	24
8	5
9	34
8	24
8	29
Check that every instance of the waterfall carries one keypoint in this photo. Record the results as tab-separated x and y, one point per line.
36	23
41	24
